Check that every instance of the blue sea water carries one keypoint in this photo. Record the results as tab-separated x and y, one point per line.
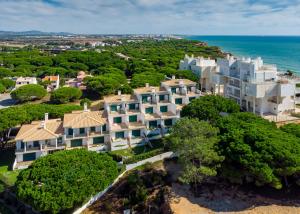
284	51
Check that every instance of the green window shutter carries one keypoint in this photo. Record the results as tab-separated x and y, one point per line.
113	108
149	110
120	135
117	119
178	101
132	106
81	131
136	133
98	140
133	118
93	129
169	122
104	128
59	140
153	124
161	97
36	144
191	98
173	90
164	109
76	143
29	157
70	131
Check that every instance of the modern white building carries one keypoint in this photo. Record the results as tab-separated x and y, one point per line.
128	120
20	81
203	68
257	87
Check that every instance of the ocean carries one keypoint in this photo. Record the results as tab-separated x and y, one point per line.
283	51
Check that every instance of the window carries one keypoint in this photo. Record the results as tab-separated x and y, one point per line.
145	98
117	119
173	90
104	128
120	135
98	140
36	144
169	122
76	143
133	118
164	109
161	97
136	133
178	101
81	131
149	110
131	106
113	108
70	131
93	129
153	124
59	140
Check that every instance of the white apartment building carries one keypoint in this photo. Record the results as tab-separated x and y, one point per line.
257	87
203	68
20	81
128	120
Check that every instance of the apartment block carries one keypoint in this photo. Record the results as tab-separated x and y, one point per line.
128	120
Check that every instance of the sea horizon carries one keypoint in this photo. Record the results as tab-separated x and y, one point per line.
282	51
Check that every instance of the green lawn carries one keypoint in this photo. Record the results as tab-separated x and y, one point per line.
138	150
7	176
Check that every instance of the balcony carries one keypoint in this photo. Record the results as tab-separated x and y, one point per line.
29	149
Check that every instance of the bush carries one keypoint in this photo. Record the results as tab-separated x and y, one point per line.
64	95
28	93
7	83
87	101
61	181
2	88
143	156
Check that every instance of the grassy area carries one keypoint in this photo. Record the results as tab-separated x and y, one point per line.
7	176
128	153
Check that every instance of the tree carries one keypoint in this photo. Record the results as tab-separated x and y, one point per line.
258	150
65	94
140	79
29	92
61	181
209	108
2	88
7	83
195	144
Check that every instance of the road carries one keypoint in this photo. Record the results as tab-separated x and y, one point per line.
6	101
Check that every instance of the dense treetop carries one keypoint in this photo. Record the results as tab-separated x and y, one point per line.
66	179
28	93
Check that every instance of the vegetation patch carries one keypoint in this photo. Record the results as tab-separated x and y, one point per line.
65	180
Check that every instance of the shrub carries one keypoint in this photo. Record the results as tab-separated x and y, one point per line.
2	88
28	92
87	101
61	181
64	95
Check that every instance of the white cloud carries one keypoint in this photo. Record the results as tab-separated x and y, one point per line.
153	16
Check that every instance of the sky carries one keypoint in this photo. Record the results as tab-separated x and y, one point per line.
191	17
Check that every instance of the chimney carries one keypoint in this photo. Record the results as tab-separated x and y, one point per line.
153	90
46	116
173	77
119	92
85	108
147	85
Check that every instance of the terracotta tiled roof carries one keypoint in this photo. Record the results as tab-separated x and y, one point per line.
50	78
82	119
120	98
176	82
149	89
36	131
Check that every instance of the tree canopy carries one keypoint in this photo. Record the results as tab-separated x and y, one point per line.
63	180
65	94
28	93
209	108
195	143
